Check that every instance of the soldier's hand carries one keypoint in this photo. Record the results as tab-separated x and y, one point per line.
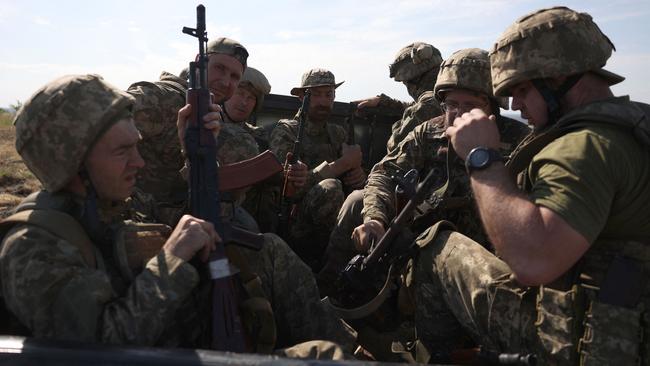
368	102
351	156
192	236
355	178
473	129
296	173
364	234
212	121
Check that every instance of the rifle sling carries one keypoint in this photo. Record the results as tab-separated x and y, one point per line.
371	306
59	224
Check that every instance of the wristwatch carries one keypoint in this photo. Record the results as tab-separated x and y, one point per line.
480	158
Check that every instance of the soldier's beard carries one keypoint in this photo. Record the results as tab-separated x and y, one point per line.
319	114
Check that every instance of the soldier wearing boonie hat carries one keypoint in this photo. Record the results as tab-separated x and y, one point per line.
330	162
567	229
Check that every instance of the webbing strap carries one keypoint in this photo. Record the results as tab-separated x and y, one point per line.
59	224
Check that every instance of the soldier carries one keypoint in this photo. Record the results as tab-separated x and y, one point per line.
416	66
328	158
574	240
463	83
260	200
155	114
62	261
249	99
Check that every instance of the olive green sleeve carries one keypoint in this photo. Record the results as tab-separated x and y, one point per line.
572	176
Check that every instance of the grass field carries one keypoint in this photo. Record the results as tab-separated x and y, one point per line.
16	181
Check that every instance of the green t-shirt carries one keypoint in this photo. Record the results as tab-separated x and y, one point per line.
598	180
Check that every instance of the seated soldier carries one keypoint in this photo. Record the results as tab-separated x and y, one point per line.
572	232
247	100
333	165
463	82
62	258
416	66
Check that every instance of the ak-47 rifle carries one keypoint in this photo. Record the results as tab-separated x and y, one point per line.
365	283
227	333
287	206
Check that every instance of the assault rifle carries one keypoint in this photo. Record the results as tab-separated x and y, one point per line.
227	333
365	283
287	206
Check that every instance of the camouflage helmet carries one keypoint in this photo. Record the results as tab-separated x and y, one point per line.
414	60
550	43
229	47
467	69
256	83
59	124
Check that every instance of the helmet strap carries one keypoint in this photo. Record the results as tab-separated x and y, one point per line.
552	96
97	231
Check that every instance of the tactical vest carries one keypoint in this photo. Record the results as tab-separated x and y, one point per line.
135	244
599	313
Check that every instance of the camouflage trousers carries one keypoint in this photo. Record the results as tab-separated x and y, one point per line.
291	288
262	203
340	248
316	216
459	286
315	350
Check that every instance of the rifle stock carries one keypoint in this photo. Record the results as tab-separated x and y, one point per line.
248	172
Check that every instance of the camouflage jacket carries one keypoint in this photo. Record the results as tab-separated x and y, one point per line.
425	148
50	288
320	146
425	108
259	133
155	113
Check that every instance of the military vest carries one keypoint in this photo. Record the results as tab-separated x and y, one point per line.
135	244
599	313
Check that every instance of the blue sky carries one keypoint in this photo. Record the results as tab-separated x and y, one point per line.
129	41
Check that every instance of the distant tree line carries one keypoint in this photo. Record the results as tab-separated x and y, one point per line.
7	114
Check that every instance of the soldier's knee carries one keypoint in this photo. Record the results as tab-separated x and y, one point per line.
316	350
330	185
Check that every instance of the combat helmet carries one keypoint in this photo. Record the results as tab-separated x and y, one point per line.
58	125
467	69
254	81
550	43
414	60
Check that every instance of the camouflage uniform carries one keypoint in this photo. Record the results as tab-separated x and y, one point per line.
572	320
322	196
73	286
424	149
261	198
155	113
415	65
256	83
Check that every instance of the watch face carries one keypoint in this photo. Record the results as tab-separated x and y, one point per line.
479	158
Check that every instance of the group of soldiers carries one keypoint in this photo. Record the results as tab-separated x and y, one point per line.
537	243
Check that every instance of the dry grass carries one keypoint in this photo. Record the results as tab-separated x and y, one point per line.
16	181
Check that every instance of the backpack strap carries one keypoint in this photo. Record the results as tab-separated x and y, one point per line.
57	223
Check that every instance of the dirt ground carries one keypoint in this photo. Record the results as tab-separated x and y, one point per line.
16	181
